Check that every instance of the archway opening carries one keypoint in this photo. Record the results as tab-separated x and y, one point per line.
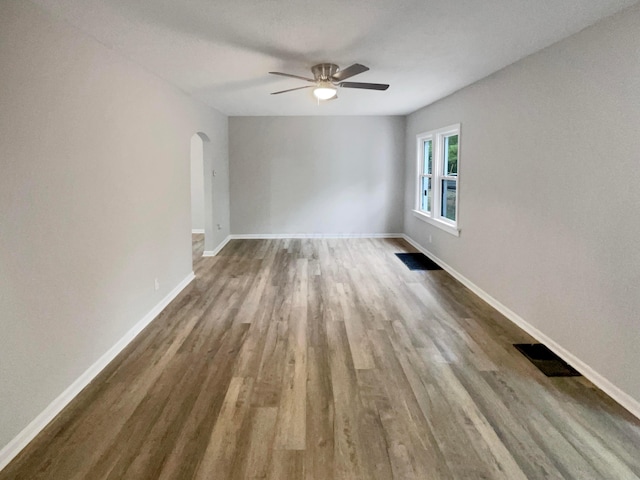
198	210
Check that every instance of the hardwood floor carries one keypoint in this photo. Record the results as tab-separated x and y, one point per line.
197	243
322	359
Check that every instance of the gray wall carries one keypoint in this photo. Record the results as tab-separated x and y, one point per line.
316	175
94	202
550	190
216	189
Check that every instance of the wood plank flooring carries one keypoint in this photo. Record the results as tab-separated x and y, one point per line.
329	359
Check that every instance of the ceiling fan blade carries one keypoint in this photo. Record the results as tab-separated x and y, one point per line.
291	90
366	86
349	72
292	76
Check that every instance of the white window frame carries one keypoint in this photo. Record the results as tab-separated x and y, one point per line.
437	175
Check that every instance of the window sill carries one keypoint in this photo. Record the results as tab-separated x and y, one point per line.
437	223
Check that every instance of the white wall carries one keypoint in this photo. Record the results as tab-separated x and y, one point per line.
550	191
316	175
94	202
197	183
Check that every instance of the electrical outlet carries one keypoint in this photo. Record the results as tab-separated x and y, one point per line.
219	226
156	284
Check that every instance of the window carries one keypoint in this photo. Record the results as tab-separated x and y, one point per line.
437	189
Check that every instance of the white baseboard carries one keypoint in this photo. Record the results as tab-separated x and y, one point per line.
264	236
197	230
15	446
215	251
623	398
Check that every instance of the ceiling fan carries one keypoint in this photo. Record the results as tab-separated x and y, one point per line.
327	77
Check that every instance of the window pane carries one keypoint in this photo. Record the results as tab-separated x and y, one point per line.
428	157
449	189
426	195
451	155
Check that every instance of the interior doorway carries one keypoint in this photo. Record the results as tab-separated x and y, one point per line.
197	194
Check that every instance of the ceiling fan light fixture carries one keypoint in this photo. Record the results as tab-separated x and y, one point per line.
325	91
327	77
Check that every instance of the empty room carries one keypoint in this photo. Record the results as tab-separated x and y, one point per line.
319	240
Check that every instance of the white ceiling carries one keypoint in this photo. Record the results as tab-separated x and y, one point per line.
220	51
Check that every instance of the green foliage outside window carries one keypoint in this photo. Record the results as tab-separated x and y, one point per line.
452	155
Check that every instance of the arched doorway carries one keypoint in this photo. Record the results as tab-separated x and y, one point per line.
198	202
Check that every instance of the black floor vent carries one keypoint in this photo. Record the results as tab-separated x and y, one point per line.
418	261
547	362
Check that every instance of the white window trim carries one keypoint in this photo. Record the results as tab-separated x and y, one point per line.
437	223
433	217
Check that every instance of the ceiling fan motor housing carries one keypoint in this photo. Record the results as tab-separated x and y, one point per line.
324	71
